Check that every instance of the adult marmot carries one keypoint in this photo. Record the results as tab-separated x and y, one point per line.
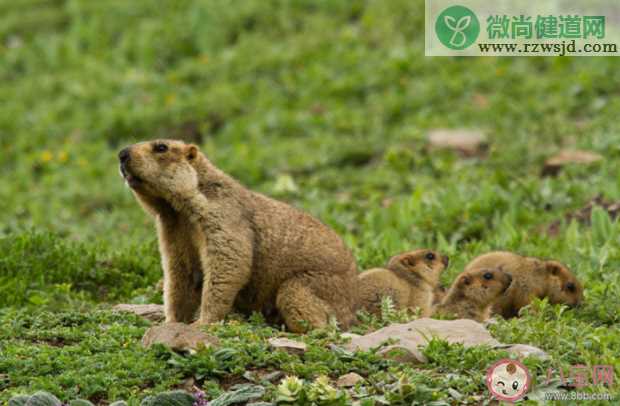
473	293
224	246
409	279
532	278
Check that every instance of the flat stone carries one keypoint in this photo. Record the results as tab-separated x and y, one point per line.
467	142
288	345
348	380
417	333
524	351
403	353
406	340
554	164
178	336
153	312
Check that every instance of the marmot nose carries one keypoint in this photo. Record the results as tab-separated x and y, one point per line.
124	156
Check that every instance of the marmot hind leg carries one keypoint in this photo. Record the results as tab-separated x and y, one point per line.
300	307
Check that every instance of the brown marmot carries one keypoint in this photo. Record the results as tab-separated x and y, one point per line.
473	293
225	247
408	279
533	278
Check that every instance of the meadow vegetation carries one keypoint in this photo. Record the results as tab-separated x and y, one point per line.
326	105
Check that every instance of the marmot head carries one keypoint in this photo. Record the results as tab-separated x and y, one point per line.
483	286
427	264
563	288
160	168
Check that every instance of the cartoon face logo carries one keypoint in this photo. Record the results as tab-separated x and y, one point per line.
508	380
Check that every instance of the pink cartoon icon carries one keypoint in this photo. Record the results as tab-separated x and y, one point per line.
508	380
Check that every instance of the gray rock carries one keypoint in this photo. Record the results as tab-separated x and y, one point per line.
348	380
554	164
417	333
405	340
465	141
178	336
524	351
404	353
288	345
153	312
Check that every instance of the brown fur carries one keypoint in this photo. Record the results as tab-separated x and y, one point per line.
533	278
472	295
439	293
225	247
409	281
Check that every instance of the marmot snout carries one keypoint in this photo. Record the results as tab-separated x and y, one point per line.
409	279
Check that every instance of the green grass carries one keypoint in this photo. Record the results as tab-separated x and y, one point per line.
323	104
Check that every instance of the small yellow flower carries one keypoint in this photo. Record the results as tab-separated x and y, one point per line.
204	59
46	156
63	156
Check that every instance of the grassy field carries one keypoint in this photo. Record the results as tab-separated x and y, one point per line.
323	104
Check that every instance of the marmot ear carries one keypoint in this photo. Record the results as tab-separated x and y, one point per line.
553	267
408	260
465	280
192	152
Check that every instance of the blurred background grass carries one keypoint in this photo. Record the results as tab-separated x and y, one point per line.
325	104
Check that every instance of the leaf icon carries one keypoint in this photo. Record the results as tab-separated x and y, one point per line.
450	22
463	23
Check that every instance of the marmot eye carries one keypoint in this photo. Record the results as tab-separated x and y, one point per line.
515	385
160	148
430	256
488	276
570	286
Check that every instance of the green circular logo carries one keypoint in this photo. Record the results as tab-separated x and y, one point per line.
457	27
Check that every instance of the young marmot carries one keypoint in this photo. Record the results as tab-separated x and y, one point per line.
473	293
532	278
224	246
409	280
